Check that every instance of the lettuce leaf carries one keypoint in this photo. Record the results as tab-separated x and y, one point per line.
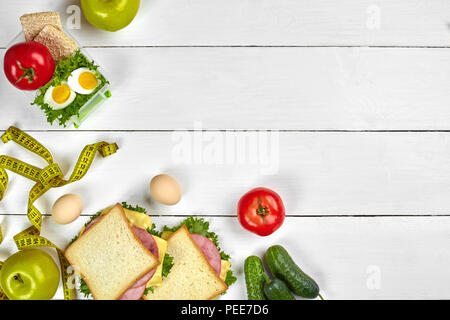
199	226
167	265
230	278
84	289
135	208
153	231
62	72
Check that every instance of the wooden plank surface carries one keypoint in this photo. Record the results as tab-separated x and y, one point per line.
356	93
350	258
262	88
267	22
397	173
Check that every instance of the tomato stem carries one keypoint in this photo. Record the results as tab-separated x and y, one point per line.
27	73
262	211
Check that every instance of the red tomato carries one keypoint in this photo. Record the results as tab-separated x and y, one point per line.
28	65
261	211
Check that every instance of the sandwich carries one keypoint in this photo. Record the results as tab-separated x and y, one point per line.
190	264
194	275
112	257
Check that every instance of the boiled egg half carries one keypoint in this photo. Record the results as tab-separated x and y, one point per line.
83	81
59	97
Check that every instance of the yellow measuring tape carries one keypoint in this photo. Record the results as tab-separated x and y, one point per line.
46	178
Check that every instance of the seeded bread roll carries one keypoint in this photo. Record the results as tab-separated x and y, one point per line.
109	257
33	23
191	277
58	43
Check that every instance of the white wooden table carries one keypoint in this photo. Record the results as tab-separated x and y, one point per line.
355	93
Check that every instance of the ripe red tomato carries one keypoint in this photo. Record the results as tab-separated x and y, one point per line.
261	211
28	65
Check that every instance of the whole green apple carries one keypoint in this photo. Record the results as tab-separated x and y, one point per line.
29	275
110	15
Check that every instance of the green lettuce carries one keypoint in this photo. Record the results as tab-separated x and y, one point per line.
62	72
199	226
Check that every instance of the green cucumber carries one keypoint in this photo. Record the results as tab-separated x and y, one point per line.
283	267
276	289
255	278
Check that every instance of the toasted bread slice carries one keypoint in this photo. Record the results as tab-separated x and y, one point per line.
58	43
109	257
33	23
191	277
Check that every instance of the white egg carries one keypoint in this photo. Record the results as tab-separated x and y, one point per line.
165	189
83	81
59	97
67	209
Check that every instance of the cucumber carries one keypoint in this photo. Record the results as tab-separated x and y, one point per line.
276	289
255	278
283	267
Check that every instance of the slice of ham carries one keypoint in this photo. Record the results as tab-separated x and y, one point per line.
137	290
210	251
134	293
90	224
147	240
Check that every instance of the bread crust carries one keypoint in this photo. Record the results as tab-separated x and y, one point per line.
155	264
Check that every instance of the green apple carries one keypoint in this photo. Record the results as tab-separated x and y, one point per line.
110	15
30	274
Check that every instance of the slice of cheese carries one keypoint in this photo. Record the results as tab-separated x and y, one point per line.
225	266
166	234
156	280
224	269
138	219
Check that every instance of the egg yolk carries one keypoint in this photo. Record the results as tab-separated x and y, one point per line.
61	93
87	80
